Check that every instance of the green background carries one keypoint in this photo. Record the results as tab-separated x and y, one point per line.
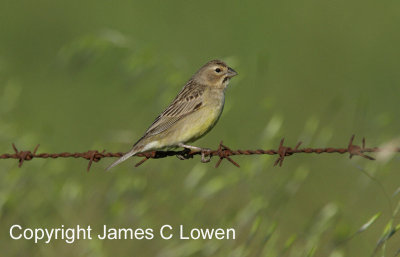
77	75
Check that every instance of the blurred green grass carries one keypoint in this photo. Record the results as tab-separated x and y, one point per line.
90	75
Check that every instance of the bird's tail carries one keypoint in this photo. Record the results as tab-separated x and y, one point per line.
132	152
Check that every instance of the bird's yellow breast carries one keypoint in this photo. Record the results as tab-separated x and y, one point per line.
198	123
202	123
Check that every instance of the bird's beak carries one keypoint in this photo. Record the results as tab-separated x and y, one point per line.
231	72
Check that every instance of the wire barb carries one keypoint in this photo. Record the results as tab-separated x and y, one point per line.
223	152
24	155
93	156
284	151
357	150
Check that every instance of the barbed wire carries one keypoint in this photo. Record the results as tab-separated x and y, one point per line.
223	152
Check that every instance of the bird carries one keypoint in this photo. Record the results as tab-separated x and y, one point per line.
192	114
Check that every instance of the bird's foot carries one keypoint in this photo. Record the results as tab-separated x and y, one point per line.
184	154
181	157
204	152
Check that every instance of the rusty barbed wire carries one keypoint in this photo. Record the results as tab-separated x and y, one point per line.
223	152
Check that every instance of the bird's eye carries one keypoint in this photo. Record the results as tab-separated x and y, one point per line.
218	70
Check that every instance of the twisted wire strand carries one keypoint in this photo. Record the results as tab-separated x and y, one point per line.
223	152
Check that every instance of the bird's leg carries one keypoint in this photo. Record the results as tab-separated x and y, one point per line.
198	149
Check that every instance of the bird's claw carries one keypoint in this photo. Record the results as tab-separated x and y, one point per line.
205	151
184	155
188	153
181	157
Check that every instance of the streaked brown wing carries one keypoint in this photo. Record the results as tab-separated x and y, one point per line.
187	101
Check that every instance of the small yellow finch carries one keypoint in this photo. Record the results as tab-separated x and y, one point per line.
193	112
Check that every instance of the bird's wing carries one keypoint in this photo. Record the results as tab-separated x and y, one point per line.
187	101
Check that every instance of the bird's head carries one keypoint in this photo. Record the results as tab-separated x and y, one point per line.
215	73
